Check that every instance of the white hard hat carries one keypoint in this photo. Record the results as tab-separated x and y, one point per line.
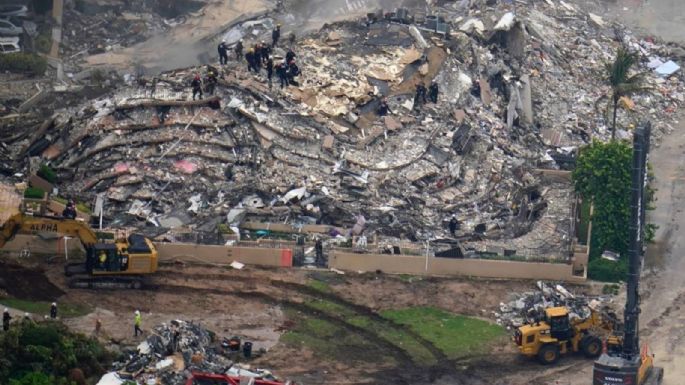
137	312
26	314
223	41
7	310
54	304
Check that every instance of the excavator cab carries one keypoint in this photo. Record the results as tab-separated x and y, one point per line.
106	258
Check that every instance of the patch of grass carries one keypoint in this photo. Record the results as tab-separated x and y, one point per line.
409	278
331	308
82	207
61	200
319	285
330	341
455	335
65	310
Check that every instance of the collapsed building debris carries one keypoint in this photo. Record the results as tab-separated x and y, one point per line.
318	153
172	353
526	308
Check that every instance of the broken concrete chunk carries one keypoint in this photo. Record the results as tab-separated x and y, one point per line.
328	142
596	20
505	22
418	38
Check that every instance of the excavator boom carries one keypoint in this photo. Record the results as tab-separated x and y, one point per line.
28	224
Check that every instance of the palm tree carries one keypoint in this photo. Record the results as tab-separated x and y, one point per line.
621	82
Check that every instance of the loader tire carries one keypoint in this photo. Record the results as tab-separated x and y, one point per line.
548	354
591	346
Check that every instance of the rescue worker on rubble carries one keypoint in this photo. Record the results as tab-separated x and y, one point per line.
433	92
289	56
420	96
223	52
53	311
69	211
269	70
238	50
293	70
211	82
453	225
266	51
102	259
196	84
249	58
6	318
252	60
383	108
257	49
282	72
137	321
275	35
318	247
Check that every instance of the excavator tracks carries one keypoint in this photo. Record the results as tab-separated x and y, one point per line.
109	283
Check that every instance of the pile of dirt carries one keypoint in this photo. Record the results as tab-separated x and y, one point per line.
25	283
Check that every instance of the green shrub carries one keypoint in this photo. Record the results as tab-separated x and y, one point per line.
34	378
34	193
43	43
607	271
43	353
24	63
47	173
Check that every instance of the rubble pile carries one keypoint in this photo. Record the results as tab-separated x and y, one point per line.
524	308
172	352
520	90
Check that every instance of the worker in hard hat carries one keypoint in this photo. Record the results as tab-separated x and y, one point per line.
265	51
275	35
196	84
211	82
250	58
257	51
53	311
223	52
6	318
137	321
238	49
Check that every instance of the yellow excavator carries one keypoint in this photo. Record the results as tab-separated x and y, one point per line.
556	334
123	263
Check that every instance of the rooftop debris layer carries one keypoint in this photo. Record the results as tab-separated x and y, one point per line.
519	92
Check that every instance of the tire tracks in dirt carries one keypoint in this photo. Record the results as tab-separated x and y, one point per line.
288	290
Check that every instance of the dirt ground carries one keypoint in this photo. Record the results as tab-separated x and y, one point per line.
252	303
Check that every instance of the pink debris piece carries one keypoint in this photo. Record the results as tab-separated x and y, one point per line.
185	166
120	167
